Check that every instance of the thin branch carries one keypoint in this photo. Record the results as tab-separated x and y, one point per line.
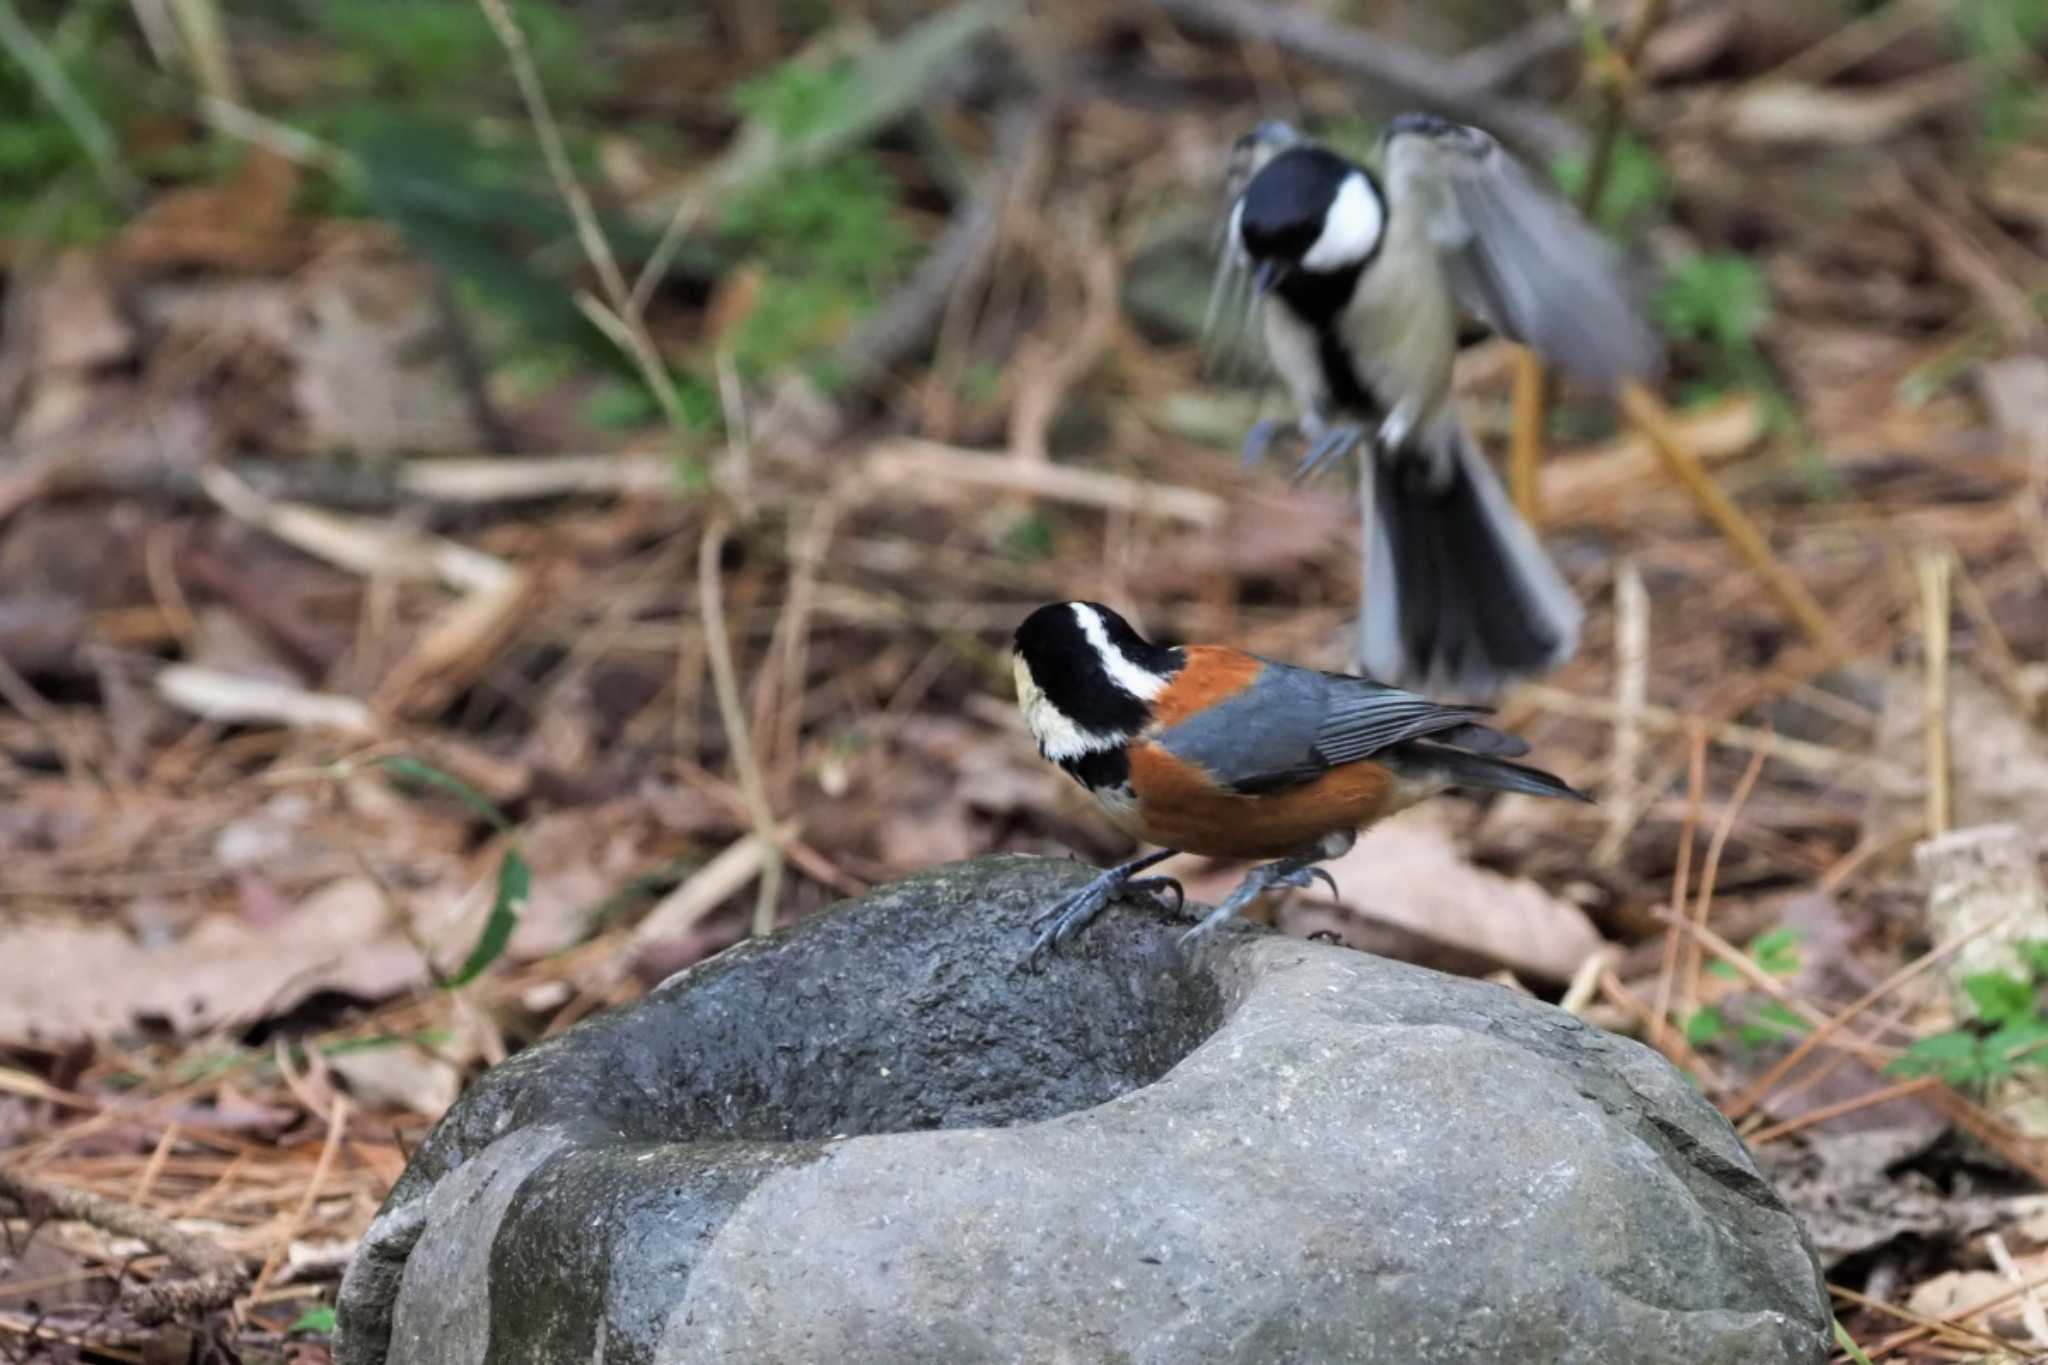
1407	72
216	1275
556	151
726	683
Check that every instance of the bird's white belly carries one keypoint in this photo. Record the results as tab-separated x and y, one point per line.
1401	331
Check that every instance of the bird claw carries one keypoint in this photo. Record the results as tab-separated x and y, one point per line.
1332	446
1157	886
1259	440
1309	875
1257	882
1074	913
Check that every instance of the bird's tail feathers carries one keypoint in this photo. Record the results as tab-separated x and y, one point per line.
1459	595
1497	774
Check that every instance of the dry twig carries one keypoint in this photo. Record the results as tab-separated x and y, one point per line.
216	1276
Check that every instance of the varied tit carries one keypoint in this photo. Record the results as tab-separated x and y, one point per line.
1205	749
1366	284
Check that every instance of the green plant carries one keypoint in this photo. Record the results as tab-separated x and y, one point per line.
2004	37
2009	1032
1776	951
514	879
1722	303
432	52
319	1320
64	88
1637	185
831	239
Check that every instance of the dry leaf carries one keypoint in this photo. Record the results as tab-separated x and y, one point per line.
1408	876
62	981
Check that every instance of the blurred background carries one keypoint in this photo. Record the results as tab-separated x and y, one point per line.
500	501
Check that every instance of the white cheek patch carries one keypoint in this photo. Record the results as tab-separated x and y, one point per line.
1141	683
1351	229
1058	737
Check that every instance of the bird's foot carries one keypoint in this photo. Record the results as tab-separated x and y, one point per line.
1261	879
1259	440
1330	447
1074	913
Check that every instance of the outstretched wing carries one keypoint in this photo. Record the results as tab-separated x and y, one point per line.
1226	324
1291	725
1518	256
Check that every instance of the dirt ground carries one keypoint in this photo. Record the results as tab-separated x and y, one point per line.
499	503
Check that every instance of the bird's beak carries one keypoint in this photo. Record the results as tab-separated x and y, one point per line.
1269	274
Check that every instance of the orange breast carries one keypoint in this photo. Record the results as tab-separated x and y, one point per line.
1211	674
1179	807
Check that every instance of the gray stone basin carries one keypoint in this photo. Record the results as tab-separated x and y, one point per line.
871	1139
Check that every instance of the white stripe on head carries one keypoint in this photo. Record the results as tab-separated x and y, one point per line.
1057	735
1351	227
1140	682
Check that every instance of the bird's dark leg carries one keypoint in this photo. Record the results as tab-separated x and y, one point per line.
1301	872
1073	914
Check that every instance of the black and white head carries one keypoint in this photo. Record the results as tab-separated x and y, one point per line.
1309	210
1086	681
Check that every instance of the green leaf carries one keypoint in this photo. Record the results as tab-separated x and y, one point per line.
1777	951
1705	1026
426	775
2034	952
1955	1056
1774	1023
619	405
2019	1043
2000	997
1719	299
515	884
1848	1344
318	1319
1636	182
1723	970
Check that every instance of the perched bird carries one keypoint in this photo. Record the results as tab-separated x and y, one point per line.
1365	282
1209	750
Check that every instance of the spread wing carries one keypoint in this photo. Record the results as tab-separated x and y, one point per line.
1291	725
1518	256
1226	323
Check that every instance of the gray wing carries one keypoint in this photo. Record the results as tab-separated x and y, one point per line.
1250	153
1231	303
1519	257
1294	724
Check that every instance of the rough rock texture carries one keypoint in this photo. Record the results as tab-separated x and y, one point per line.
871	1139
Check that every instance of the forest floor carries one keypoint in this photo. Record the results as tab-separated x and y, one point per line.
393	545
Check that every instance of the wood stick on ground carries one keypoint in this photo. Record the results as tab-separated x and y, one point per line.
1652	418
1933	569
1994	650
1525	452
337	1125
1667	974
1910	1335
1828	1112
216	1276
1710	872
1631	677
726	684
1892	1310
